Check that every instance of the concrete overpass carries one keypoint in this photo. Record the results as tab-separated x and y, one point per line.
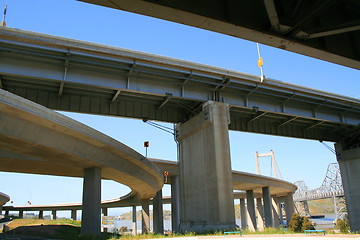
35	139
3	199
204	101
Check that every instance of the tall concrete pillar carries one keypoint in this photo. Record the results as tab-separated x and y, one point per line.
175	204
73	214
91	208
349	163
53	213
205	171
134	223
145	217
158	215
21	214
269	221
243	214
289	207
250	202
7	213
276	211
260	214
41	214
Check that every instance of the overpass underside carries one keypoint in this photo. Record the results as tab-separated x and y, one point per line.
70	75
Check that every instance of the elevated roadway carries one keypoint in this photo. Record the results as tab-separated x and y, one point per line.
4	198
70	75
327	30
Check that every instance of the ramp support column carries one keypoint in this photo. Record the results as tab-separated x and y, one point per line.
207	202
289	207
91	209
21	214
53	213
243	213
41	214
73	214
260	214
158	216
348	157
250	201
145	216
269	220
134	223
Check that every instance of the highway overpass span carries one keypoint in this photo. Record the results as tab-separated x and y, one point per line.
34	139
204	101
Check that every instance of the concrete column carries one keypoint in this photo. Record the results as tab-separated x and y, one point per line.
158	215
41	214
104	212
53	213
73	214
251	210
281	212
276	211
175	204
134	223
349	163
145	216
289	207
269	221
260	214
7	213
21	214
207	202
91	210
243	213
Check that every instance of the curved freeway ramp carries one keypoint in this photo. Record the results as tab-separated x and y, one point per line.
34	139
3	198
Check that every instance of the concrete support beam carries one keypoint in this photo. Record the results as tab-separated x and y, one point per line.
250	202
21	214
349	163
276	211
269	220
145	217
41	214
134	224
205	171
175	204
73	214
53	213
260	214
243	214
289	207
91	210
158	215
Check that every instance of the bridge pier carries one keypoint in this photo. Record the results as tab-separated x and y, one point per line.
73	214
269	220
243	213
53	213
145	217
289	207
134	224
21	214
349	163
104	212
251	214
276	211
158	217
207	202
260	214
41	214
91	208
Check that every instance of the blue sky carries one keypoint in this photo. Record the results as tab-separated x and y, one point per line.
298	159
